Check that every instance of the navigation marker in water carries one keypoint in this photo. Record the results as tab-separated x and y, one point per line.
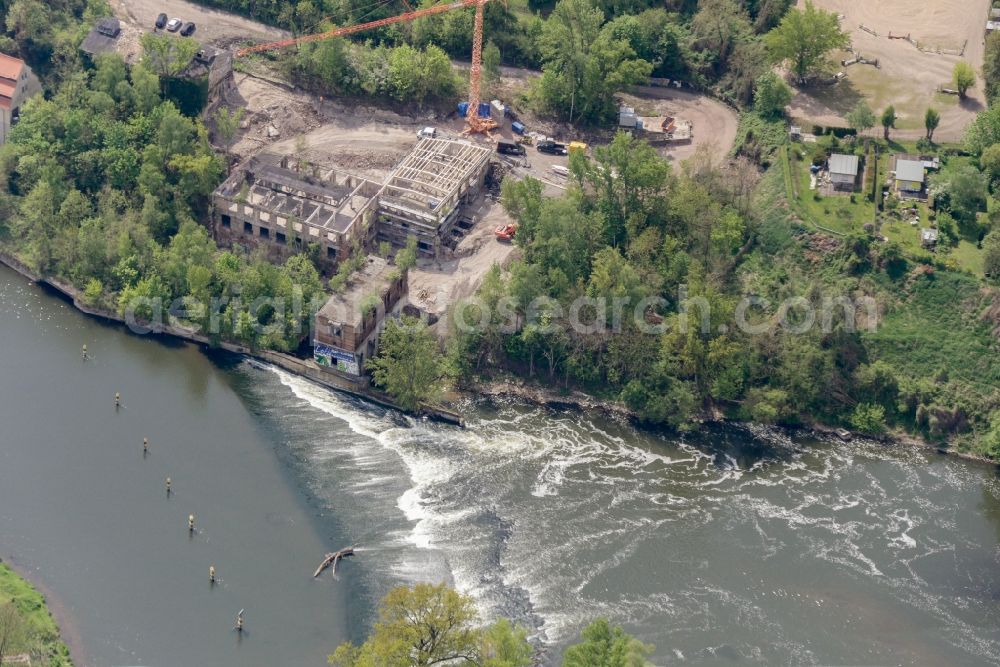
118	400
211	574
85	356
191	523
168	487
239	622
145	447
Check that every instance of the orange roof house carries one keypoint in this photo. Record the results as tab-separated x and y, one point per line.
17	84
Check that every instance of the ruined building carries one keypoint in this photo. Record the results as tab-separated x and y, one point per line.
283	206
348	325
275	205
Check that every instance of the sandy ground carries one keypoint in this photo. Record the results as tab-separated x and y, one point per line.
908	77
437	285
714	123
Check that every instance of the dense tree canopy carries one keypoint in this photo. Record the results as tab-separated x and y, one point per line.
409	364
607	646
804	38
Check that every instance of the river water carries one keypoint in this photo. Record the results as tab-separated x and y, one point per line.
731	546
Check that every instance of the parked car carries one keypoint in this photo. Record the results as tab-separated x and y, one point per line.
551	148
188	29
161	21
509	147
173	25
427	133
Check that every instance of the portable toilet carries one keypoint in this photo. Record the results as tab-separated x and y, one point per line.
463	109
484	109
517	127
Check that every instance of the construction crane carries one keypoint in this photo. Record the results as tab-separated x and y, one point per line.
475	123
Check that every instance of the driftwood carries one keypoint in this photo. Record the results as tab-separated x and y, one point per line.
332	559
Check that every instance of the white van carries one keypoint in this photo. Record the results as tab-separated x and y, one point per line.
427	133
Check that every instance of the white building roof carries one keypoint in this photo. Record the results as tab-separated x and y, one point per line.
910	170
844	164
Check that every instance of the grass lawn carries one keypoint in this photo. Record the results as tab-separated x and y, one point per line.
937	327
838	214
834	212
42	642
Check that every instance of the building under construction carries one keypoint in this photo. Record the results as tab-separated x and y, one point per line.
424	194
284	206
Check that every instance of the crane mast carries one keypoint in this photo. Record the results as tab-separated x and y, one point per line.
474	121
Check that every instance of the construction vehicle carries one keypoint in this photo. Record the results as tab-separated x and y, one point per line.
506	232
505	147
476	122
577	146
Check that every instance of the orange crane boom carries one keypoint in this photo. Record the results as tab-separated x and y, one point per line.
476	124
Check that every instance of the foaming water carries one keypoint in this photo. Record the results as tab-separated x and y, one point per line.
736	544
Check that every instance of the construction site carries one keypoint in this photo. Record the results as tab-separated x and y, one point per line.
345	181
283	204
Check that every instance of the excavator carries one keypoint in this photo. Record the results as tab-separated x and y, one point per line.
475	124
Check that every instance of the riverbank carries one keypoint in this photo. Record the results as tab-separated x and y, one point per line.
512	387
543	396
307	368
41	640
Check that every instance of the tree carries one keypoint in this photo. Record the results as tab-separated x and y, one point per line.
110	72
409	365
227	122
718	27
991	256
491	69
630	179
771	95
984	131
931	121
962	191
406	258
888	120
963	77
505	645
167	55
607	646
861	117
804	37
419	76
869	418
431	625
145	88
584	66
989	162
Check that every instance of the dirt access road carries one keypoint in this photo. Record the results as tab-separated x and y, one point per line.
214	27
713	123
908	78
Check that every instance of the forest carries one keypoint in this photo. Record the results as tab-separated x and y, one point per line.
105	183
